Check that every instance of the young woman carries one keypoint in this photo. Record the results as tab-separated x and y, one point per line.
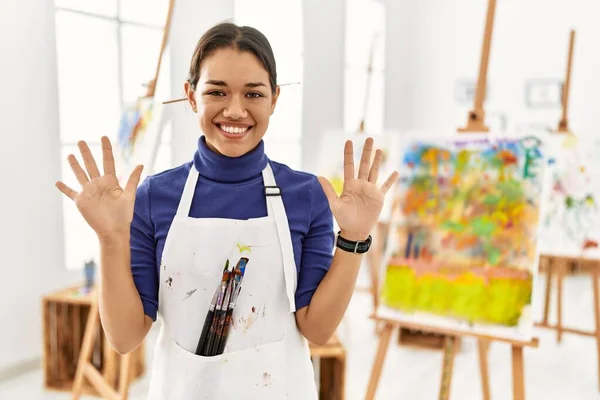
163	244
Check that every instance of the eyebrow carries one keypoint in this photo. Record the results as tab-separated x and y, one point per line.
222	83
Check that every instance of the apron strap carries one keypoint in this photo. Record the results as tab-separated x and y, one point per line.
185	203
276	208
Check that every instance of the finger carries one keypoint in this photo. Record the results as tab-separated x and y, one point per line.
108	162
329	191
134	179
389	182
70	193
88	160
374	173
365	159
80	174
348	161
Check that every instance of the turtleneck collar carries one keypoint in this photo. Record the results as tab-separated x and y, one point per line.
220	168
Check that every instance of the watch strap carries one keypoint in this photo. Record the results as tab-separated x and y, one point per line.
358	247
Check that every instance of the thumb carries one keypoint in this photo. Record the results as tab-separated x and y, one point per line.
329	190
134	179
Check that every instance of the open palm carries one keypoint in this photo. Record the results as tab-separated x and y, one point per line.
358	207
103	203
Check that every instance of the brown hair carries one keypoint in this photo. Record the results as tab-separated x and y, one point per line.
242	38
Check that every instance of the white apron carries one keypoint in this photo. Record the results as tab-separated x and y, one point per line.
266	357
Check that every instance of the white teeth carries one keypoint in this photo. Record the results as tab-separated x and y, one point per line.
232	129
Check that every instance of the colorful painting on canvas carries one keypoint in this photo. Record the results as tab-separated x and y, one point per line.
570	222
463	243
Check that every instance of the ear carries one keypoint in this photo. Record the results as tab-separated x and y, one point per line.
274	99
191	95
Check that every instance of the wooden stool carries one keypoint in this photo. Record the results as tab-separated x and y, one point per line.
66	319
559	266
332	357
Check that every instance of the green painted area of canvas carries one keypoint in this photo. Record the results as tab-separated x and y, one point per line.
466	296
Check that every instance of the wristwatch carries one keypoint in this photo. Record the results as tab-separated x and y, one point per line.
359	247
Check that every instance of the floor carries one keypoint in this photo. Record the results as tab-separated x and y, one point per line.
552	372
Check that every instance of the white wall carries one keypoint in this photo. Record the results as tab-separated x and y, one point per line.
400	65
191	18
30	206
439	42
323	80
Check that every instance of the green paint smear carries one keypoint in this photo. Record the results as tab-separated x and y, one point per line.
452	226
466	297
493	255
483	227
569	202
512	190
491	200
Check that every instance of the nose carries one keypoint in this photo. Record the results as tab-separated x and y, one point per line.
235	109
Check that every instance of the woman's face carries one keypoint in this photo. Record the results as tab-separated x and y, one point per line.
233	100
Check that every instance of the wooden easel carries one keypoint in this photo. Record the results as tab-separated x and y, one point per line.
563	124
85	368
449	353
476	119
559	265
475	123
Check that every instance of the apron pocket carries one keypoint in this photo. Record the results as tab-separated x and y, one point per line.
254	373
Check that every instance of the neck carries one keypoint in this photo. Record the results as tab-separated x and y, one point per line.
217	167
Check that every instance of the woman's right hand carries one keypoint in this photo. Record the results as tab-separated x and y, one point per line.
105	206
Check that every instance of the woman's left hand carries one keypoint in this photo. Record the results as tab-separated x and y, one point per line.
358	207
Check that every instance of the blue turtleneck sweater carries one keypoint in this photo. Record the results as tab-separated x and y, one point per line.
223	185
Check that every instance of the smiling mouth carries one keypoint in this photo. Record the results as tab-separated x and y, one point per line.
233	130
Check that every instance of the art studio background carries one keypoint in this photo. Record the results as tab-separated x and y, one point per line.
70	70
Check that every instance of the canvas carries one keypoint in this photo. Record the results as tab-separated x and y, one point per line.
571	221
462	250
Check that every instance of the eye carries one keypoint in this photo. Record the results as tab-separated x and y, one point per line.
216	93
254	95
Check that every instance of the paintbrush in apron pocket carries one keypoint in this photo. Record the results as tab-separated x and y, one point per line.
238	275
221	316
216	301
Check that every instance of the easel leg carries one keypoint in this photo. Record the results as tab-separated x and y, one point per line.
596	291
124	376
384	341
374	260
447	367
483	347
86	350
561	274
110	364
548	291
518	373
